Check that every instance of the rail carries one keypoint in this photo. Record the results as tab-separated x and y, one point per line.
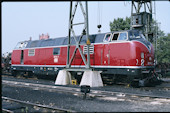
93	93
33	104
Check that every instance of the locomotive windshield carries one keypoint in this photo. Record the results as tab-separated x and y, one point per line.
134	34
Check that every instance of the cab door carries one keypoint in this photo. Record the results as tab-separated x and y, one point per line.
106	49
22	57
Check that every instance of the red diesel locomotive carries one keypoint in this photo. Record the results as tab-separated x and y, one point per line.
117	54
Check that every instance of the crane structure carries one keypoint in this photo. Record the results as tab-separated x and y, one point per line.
141	17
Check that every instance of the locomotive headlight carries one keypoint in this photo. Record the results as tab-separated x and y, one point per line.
142	55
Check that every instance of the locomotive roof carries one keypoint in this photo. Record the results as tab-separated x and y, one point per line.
94	38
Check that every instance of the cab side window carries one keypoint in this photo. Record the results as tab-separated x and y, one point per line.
123	36
107	37
115	36
21	45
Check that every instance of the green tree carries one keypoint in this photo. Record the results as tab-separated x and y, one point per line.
163	49
120	24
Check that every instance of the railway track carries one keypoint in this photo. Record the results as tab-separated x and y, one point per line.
165	80
25	105
95	94
76	91
35	78
19	76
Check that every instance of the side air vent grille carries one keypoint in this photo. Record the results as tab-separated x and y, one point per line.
31	52
91	49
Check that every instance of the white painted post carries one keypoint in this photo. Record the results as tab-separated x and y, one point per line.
63	78
92	78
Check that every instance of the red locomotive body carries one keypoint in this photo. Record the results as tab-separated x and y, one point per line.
125	53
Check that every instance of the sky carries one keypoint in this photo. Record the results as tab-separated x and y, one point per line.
22	20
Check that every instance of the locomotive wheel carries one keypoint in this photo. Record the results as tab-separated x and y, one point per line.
39	76
135	83
14	73
109	79
30	74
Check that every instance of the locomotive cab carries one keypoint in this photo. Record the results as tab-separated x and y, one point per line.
146	53
129	54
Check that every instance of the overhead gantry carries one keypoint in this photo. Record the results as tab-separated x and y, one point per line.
90	77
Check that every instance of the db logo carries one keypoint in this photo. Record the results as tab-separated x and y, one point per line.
56	59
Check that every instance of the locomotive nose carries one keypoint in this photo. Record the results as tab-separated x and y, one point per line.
147	44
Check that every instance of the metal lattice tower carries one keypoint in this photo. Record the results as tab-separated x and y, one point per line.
141	16
85	31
